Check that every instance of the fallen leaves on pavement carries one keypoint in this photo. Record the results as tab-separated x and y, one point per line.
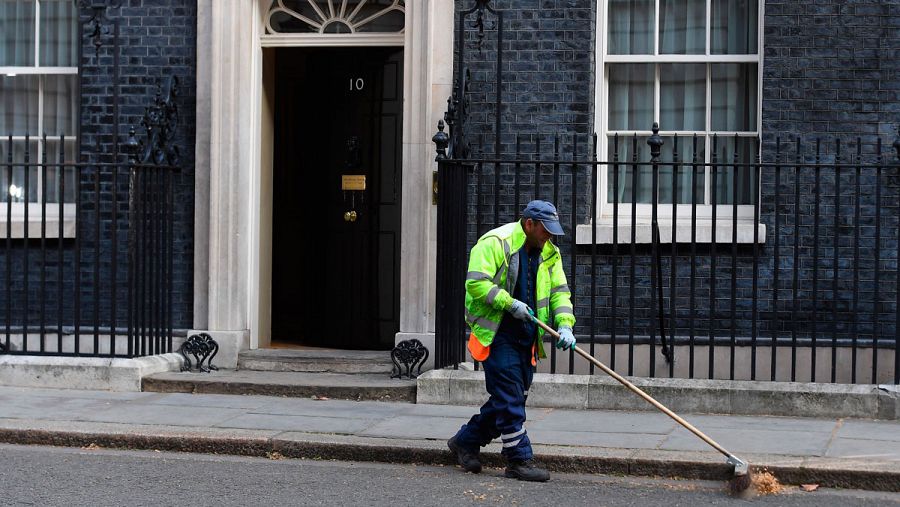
275	455
91	447
809	487
765	483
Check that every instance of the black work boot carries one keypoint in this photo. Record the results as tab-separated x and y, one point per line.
466	458
526	471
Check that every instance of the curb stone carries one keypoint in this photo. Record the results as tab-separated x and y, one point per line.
434	454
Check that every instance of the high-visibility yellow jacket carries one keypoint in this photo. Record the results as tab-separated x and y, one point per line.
493	268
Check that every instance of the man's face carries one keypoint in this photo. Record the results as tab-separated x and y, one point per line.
535	233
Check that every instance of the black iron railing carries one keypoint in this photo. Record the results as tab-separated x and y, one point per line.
799	283
64	286
111	247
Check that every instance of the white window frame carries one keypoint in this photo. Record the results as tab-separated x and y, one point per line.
16	225
604	210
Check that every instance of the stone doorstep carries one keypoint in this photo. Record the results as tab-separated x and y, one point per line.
358	386
462	387
835	473
315	360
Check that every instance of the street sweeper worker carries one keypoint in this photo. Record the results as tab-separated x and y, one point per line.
515	272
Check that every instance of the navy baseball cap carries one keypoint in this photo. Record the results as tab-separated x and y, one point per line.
546	213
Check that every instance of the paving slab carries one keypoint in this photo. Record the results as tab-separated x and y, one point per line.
604	422
792	443
297	422
434	428
209	400
864	449
156	414
869	430
329	408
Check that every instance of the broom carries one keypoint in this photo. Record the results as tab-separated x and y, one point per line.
741	479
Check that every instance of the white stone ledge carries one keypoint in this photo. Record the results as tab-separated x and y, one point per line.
17	227
643	231
95	373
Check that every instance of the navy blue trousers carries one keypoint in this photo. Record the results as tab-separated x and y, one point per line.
508	374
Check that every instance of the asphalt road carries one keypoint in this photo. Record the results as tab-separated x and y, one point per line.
49	476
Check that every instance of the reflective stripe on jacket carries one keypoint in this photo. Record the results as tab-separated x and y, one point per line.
491	277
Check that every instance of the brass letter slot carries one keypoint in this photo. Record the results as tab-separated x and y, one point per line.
353	182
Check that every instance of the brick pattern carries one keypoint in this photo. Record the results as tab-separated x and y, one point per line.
157	38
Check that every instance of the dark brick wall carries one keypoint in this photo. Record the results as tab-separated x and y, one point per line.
832	68
157	39
830	71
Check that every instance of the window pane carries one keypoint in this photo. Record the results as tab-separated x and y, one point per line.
59	104
53	180
734	27
58	38
626	170
645	170
387	21
682	100
16	33
734	97
18	105
631	25
375	16
630	96
744	186
16	190
682	27
684	178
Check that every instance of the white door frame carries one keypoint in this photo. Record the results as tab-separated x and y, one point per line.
233	198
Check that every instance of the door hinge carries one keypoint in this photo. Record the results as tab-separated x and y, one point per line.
434	187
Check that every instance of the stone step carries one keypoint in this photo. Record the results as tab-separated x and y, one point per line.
316	360
379	387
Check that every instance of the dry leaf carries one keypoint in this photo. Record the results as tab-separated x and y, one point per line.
274	455
809	487
320	398
91	447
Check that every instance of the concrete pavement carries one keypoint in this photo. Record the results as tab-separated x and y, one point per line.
835	452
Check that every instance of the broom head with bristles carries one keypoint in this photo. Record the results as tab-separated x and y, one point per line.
743	477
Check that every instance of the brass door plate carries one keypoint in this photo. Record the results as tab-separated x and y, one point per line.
353	182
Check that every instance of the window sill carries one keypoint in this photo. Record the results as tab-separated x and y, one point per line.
682	230
16	227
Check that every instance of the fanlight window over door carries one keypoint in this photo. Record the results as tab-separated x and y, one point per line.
336	16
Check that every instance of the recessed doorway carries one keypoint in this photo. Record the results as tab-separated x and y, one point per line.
336	196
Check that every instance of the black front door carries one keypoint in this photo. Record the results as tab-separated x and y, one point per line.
336	210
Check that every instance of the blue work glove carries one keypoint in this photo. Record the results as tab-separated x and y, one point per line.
566	338
520	310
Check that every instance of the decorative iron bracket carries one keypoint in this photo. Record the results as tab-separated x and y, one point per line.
412	354
203	348
480	6
160	121
99	21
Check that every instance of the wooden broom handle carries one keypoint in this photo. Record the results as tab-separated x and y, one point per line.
662	408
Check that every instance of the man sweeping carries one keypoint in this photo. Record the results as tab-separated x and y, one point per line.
515	271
